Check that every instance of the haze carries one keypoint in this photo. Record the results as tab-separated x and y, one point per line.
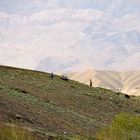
70	35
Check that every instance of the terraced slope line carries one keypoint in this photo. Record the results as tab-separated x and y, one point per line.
126	82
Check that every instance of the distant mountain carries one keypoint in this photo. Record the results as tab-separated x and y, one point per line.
126	82
97	34
52	64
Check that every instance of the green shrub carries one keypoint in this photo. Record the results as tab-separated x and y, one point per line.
123	127
12	132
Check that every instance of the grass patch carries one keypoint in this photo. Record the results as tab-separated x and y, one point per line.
124	127
13	132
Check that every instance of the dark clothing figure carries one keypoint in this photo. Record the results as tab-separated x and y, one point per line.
90	83
52	75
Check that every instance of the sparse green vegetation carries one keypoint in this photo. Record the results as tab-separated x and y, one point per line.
123	127
58	108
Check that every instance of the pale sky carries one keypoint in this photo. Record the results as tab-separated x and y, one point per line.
65	35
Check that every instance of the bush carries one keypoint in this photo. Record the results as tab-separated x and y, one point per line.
123	127
12	132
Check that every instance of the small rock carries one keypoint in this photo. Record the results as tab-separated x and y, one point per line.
65	132
18	116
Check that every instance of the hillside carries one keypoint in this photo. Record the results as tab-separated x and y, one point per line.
57	107
125	82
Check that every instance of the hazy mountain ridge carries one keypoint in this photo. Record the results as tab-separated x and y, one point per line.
126	82
98	34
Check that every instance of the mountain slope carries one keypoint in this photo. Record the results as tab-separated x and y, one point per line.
126	82
80	32
58	107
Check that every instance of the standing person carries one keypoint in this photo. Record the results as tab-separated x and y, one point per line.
90	83
52	75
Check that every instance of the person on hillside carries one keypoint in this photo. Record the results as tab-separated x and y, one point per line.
90	83
52	76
